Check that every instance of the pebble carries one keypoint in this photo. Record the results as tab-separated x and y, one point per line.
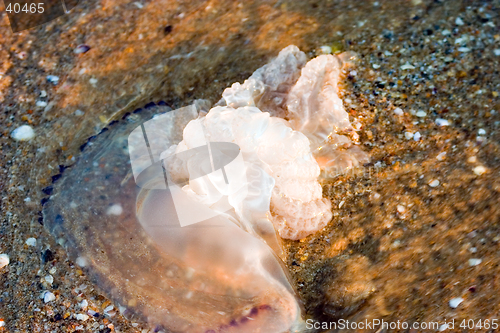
82	48
31	241
376	66
79	113
442	122
407	66
408	135
479	170
81	261
115	209
53	79
496	52
82	317
41	104
23	133
48	297
454	302
398	111
43	93
325	49
472	159
480	139
474	262
481	132
421	114
463	49
108	308
458	21
434	183
4	260
441	156
49	279
417	136
401	209
93	81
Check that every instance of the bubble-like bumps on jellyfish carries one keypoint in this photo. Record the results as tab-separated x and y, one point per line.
284	118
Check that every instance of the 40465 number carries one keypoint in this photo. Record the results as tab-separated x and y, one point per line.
479	324
33	8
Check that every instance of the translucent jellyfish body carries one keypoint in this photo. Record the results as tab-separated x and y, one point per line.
211	276
175	214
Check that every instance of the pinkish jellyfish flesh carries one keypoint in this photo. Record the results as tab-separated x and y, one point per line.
178	214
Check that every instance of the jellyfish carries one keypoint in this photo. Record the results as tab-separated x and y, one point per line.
179	214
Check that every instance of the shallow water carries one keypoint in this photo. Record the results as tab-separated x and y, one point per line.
416	260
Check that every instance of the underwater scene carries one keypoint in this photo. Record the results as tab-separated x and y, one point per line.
267	166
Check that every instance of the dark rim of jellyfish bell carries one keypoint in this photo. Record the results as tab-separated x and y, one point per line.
47	191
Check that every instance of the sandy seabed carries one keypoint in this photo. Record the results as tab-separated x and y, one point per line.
418	229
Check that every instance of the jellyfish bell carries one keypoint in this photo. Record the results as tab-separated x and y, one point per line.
208	275
176	214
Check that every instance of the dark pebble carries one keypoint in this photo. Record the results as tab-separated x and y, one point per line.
47	256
